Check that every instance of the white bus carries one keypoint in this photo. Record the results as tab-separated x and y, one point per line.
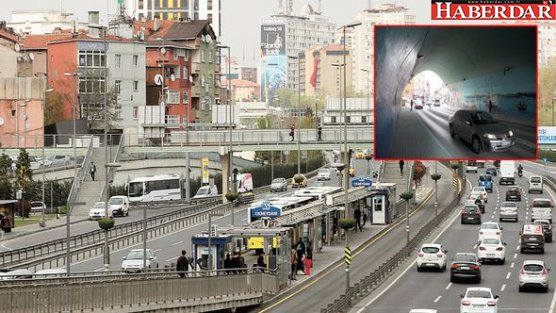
155	188
275	207
316	193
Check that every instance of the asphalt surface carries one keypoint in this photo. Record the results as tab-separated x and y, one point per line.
433	289
324	289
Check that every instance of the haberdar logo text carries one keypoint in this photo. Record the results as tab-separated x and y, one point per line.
493	10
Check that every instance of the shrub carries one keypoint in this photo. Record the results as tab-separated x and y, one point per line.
346	223
106	223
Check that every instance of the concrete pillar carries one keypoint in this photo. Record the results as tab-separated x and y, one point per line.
224	162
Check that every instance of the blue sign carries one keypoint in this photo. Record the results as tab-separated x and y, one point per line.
266	209
547	135
362	182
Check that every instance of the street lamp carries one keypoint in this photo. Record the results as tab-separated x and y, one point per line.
43	222
301	54
106	206
368	86
211	215
229	93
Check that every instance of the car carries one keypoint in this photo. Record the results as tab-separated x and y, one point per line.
432	255
470	213
547	228
531	237
509	211
541	208
486	182
133	262
319	183
513	194
475	200
38	207
535	184
491	171
16	274
496	163
323	174
478	299
60	160
492	249
481	163
51	273
465	265
34	163
299	180
418	104
423	311
477	190
351	171
119	205
489	229
481	130
98	211
279	184
533	274
471	166
429	102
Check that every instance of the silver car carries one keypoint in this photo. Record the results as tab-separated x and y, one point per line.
509	211
481	130
279	184
533	273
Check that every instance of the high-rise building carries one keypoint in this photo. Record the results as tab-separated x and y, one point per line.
321	75
360	41
209	10
283	37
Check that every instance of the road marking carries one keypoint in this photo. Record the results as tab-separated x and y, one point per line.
448	287
99	269
474	246
508	275
406	269
4	246
437	299
503	287
512	265
177	243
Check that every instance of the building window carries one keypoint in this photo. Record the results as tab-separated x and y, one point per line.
140	4
209	18
117	86
135	60
118	61
90	58
173	97
209	5
135	113
185	72
91	85
363	119
136	85
185	97
332	119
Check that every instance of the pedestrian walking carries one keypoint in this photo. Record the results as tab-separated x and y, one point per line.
319	133
292	133
227	263
182	264
489	105
92	170
411	105
357	216
260	261
293	263
401	167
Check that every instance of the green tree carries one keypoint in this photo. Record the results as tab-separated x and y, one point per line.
24	174
264	122
54	110
6	186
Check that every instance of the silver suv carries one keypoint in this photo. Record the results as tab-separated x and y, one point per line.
482	131
533	273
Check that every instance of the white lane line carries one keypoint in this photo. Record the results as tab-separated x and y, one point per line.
411	265
508	275
474	246
512	265
503	287
515	256
177	243
448	287
4	246
99	269
492	217
170	259
517	248
437	299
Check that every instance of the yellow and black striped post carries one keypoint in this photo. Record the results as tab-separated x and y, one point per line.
455	181
347	256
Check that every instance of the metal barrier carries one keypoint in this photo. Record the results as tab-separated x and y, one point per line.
124	292
372	281
80	175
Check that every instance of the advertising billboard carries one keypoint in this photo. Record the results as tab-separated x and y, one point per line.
273	59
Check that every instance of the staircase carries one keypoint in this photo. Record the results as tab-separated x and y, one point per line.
91	191
391	174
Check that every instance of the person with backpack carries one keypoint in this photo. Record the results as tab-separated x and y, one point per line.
92	170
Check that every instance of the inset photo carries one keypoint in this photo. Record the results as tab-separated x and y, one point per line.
456	92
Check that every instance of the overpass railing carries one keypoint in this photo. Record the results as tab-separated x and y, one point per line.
124	292
80	175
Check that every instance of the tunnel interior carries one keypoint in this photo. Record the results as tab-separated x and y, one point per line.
476	63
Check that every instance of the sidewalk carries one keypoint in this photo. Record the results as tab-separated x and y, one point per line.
35	228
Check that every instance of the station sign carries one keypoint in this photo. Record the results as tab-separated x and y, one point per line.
266	209
362	182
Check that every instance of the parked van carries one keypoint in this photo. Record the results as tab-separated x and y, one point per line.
535	184
119	205
532	238
541	209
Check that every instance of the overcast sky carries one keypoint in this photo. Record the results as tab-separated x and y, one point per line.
240	18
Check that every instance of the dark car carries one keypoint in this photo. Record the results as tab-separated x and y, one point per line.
491	171
513	194
547	228
465	266
470	214
481	130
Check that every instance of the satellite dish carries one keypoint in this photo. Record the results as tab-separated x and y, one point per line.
163	50
32	56
1	121
17	47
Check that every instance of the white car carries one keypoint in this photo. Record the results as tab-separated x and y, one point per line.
509	211
133	262
17	274
423	311
97	211
119	205
489	230
323	174
480	191
541	209
492	249
533	273
432	255
478	299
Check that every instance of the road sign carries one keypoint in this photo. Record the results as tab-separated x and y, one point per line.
158	79
361	182
347	256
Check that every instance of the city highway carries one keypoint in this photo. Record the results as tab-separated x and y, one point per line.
320	291
425	134
413	289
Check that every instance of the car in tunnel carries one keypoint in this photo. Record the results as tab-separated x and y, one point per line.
481	130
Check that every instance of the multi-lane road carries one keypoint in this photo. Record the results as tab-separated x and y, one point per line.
412	289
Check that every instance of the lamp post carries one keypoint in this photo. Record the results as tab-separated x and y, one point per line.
301	54
77	75
69	208
43	222
106	192
229	100
368	86
211	215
